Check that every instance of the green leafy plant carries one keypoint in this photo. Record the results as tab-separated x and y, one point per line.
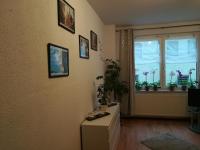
172	86
112	82
138	85
155	86
146	85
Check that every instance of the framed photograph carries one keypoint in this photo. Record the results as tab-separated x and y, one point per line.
66	16
93	40
58	61
83	47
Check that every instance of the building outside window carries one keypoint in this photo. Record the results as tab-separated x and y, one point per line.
157	59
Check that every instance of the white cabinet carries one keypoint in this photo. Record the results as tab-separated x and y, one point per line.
102	133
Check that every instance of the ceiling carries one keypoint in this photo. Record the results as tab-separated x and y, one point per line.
142	12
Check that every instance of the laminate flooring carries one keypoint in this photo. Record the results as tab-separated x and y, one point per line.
133	131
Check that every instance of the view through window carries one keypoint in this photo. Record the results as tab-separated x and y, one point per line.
175	63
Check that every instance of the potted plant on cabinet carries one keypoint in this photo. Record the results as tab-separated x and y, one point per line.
112	83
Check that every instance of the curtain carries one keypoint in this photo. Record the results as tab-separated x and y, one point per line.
125	56
197	35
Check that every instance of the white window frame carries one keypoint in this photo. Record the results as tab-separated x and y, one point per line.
161	39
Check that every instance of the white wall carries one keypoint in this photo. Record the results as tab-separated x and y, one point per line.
38	113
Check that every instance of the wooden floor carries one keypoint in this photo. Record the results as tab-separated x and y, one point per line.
133	131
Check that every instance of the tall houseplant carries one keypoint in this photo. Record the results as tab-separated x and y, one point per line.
112	82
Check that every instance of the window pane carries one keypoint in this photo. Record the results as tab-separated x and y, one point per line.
147	59
180	54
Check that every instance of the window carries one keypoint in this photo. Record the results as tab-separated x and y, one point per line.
180	54
155	63
147	61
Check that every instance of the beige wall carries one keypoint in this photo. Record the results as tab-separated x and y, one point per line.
161	104
110	41
38	113
166	104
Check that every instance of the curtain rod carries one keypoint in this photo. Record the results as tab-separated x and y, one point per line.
164	27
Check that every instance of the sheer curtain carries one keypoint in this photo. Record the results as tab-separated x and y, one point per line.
125	56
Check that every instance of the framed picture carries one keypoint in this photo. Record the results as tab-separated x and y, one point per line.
66	16
93	40
83	47
58	61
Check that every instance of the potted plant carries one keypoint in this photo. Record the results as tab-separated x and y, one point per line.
155	86
138	85
172	86
146	85
112	83
192	84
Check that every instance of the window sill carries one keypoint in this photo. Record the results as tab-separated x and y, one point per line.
161	91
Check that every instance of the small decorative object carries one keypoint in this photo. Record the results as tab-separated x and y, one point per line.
112	84
58	61
101	94
93	40
66	16
182	79
83	47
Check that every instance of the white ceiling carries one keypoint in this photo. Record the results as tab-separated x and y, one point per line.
141	12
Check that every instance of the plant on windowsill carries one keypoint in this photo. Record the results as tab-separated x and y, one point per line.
172	85
145	83
112	83
192	84
154	85
138	85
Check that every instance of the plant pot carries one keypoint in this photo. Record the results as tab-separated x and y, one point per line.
146	88
184	88
155	88
171	88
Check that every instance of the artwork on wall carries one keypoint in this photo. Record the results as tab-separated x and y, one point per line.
83	47
93	40
66	16
58	61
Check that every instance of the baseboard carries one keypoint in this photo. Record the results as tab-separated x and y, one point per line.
156	117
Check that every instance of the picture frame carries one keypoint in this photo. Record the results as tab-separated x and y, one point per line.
93	40
83	47
58	61
66	16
